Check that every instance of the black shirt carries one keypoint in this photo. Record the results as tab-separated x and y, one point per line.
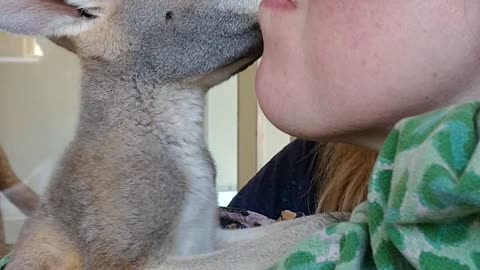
284	183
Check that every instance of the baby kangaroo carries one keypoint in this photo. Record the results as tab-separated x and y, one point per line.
137	181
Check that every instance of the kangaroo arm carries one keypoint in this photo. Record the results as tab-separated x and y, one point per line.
254	249
22	196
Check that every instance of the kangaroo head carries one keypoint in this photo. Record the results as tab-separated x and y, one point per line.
169	40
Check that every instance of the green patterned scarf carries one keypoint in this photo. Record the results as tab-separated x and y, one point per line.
423	208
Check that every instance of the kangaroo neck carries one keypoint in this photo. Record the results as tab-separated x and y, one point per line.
124	100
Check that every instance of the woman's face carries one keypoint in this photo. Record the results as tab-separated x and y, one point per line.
344	69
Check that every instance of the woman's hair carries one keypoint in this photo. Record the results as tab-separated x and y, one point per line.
342	172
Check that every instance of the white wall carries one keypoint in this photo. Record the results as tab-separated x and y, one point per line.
221	128
39	104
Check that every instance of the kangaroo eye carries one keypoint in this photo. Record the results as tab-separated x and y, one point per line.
169	16
85	13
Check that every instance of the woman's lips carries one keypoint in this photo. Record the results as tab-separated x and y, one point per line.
278	4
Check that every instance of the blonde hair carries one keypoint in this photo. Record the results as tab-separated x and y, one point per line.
343	172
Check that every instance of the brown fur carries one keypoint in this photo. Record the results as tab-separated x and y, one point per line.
51	250
7	176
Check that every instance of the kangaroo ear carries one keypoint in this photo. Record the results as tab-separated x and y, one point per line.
41	17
